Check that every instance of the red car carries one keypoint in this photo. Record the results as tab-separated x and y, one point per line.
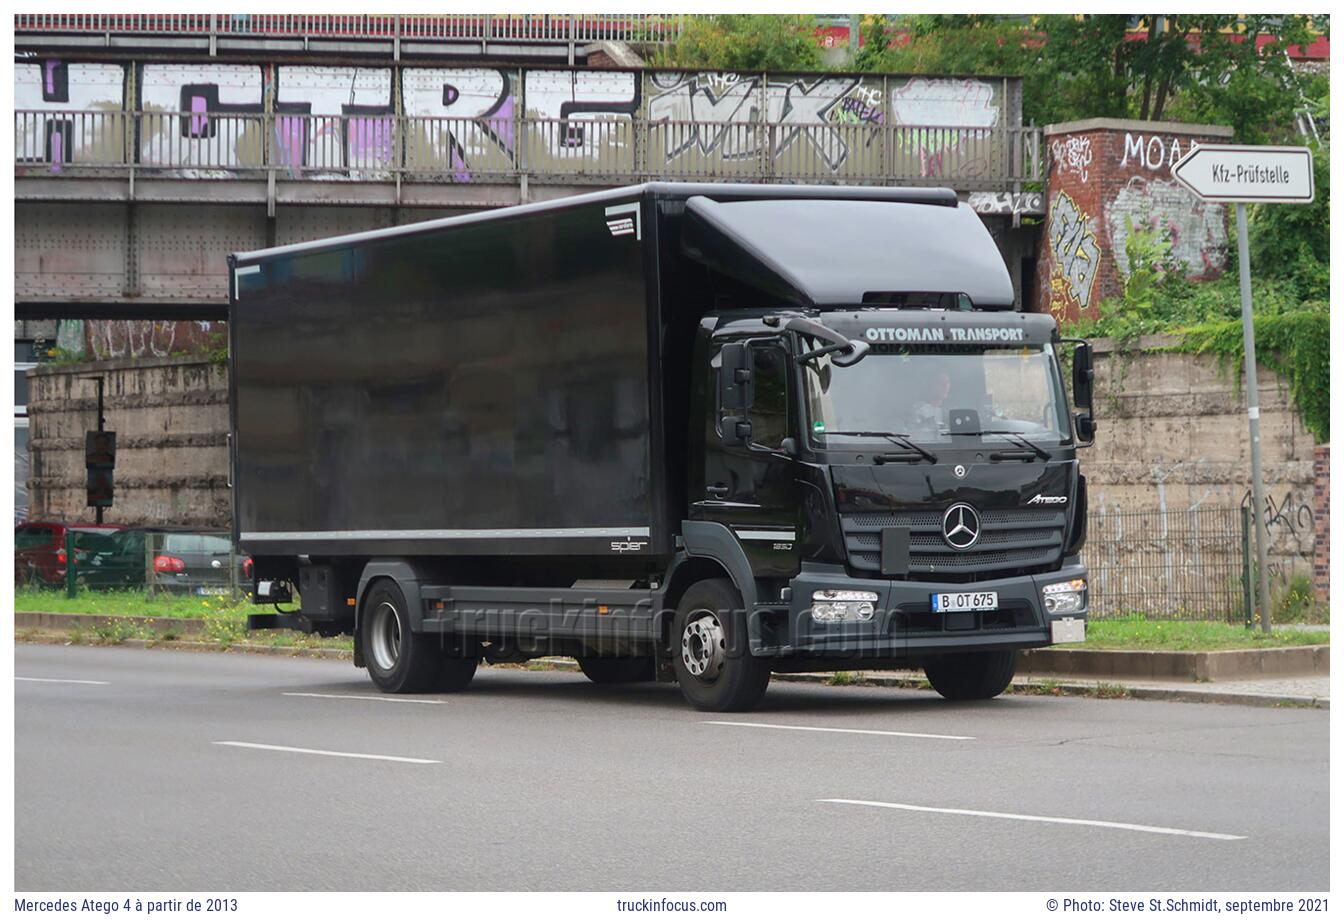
39	550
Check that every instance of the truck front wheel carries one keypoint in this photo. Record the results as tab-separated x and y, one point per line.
972	675
714	667
402	661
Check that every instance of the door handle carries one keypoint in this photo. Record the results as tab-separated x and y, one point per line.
718	490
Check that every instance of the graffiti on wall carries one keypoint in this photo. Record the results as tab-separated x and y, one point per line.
584	116
1073	155
1290	525
51	94
1007	202
1074	252
1152	151
339	122
466	119
199	115
142	338
1195	229
357	135
714	113
948	122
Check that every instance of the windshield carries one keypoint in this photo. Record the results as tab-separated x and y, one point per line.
939	394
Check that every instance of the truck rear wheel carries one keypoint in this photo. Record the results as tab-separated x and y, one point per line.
402	661
972	675
714	668
616	670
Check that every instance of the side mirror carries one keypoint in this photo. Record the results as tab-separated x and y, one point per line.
1086	425
1082	376
735	378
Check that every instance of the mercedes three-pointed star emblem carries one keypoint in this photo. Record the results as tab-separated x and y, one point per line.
961	526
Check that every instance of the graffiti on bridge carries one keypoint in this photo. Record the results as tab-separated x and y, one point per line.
209	119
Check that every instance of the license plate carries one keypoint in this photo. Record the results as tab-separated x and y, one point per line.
212	589
969	600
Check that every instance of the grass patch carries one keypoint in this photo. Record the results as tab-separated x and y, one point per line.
1140	633
842	679
1105	691
1044	687
127	603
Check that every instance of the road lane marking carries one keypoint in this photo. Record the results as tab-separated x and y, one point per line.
299	750
1145	828
367	696
847	731
62	680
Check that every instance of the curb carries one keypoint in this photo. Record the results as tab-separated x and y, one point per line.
184	645
1100	689
183	626
1228	664
1111	691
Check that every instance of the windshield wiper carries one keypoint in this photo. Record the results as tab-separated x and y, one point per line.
1013	436
900	440
1023	442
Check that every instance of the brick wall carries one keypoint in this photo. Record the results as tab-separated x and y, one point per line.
1104	176
1321	511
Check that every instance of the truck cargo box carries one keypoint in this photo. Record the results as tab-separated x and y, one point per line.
467	385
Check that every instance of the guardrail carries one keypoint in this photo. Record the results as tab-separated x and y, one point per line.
597	150
642	28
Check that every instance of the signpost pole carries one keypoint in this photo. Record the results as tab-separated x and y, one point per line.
1253	413
1237	174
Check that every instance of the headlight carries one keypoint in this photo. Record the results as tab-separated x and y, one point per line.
1065	596
832	606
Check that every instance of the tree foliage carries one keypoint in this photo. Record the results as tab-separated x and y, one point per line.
1199	67
745	42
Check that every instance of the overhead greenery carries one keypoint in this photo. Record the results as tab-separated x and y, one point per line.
1184	68
1295	345
744	41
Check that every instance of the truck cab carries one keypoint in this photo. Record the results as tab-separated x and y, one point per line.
911	494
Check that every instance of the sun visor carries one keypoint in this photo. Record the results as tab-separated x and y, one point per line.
824	252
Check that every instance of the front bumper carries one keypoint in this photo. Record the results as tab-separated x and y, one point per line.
905	626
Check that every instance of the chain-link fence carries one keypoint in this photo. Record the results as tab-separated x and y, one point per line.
1188	564
111	558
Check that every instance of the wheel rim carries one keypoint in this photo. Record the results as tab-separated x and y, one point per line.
702	645
385	637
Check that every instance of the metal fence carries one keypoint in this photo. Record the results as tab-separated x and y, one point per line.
600	150
201	563
1189	564
642	28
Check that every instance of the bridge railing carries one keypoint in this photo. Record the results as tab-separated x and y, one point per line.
643	28
597	150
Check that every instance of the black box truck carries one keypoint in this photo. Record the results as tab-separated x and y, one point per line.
676	431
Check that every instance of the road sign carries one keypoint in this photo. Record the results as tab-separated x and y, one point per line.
1233	173
1244	175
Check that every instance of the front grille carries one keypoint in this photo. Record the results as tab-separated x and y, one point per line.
1011	542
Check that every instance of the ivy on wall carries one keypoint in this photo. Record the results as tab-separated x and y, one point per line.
1294	345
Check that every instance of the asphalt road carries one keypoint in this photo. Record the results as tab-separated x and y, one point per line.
541	780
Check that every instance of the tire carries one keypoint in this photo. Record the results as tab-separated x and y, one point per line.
455	671
714	668
400	661
617	670
972	675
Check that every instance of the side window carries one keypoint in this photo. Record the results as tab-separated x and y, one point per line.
770	409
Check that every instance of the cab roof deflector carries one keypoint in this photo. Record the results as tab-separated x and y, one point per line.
827	252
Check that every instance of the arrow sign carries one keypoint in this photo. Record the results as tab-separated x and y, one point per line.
1229	172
